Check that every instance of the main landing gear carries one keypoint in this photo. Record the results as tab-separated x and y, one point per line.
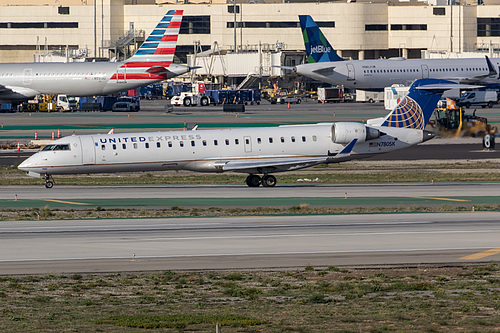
49	181
266	181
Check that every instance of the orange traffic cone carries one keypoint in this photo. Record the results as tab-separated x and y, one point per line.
58	133
288	104
18	146
36	135
52	135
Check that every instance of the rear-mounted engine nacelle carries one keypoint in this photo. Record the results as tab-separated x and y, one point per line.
346	132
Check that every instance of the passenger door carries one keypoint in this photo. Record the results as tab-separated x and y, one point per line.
87	147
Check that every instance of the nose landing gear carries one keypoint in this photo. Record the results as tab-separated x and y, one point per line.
49	181
256	181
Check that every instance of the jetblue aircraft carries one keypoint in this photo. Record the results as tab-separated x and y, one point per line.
326	66
153	62
248	150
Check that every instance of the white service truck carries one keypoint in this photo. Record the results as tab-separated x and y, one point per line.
483	98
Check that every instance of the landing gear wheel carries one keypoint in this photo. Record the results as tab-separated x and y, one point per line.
268	181
253	181
49	181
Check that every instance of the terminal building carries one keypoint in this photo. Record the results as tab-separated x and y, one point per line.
233	39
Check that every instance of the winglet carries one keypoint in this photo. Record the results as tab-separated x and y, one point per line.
347	149
492	70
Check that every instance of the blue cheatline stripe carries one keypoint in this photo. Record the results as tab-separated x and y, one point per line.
145	52
147	45
158	32
153	39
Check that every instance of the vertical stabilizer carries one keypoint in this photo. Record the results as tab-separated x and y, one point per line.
318	49
159	47
416	108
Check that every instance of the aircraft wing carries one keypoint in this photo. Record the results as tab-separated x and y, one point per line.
286	164
9	93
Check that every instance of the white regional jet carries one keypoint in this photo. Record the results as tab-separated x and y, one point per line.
248	150
153	62
326	66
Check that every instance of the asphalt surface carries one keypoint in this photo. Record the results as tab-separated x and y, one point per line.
247	242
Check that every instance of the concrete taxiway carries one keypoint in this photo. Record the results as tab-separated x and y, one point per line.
284	195
269	242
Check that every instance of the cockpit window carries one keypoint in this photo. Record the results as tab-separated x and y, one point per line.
56	147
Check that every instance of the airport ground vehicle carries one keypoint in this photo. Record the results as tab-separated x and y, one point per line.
126	104
188	98
330	94
483	98
289	99
454	121
365	96
50	103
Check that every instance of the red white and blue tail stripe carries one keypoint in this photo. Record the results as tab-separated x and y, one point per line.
156	54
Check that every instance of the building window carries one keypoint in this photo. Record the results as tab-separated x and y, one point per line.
439	11
408	26
195	25
375	27
488	27
38	25
63	10
276	24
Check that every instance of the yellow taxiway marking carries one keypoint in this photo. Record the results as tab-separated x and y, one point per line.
481	255
445	199
66	202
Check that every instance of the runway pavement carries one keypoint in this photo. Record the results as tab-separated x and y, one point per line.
247	242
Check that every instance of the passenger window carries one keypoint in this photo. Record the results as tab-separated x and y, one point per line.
146	144
158	145
293	139
103	147
192	143
303	139
282	139
135	145
215	143
124	146
270	140
314	138
227	142
259	140
114	146
181	143
247	141
204	142
236	141
170	144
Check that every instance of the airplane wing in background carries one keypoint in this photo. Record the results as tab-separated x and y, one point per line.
9	93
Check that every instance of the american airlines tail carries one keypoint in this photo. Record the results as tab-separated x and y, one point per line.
318	49
156	55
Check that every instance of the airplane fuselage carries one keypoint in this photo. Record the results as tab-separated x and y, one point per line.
26	80
283	148
381	73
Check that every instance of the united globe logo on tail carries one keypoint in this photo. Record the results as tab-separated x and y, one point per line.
407	114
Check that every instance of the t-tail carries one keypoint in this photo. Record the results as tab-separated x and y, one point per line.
318	49
416	108
154	59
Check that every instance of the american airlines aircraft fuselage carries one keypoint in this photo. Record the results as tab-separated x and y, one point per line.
380	73
26	80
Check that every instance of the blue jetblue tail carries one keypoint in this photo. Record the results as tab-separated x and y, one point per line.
318	49
416	108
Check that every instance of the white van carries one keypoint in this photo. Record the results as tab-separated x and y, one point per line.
478	97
